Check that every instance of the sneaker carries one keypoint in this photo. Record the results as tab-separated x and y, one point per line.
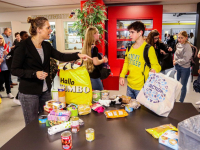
198	103
16	101
10	96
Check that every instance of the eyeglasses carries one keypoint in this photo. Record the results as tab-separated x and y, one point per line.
156	38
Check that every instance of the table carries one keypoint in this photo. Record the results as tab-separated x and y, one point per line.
110	134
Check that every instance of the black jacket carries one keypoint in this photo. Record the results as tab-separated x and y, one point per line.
26	62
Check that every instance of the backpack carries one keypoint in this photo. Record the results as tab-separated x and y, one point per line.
53	69
196	85
104	69
194	56
146	57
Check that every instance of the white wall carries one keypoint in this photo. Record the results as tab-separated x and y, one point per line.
19	22
178	26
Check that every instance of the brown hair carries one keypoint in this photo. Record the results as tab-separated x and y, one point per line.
137	26
38	22
150	37
16	34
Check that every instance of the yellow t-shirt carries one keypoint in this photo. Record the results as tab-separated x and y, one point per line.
134	63
175	37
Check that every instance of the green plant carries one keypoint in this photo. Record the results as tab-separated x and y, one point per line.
92	14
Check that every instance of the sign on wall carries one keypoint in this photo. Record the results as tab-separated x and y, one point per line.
53	16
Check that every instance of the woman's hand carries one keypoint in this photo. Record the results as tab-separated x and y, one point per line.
199	71
170	49
105	59
41	75
162	52
174	62
121	81
84	57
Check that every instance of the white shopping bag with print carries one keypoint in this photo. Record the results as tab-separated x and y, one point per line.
159	93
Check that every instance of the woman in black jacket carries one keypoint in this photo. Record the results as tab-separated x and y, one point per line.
163	52
31	63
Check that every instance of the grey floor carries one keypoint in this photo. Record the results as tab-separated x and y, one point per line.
11	117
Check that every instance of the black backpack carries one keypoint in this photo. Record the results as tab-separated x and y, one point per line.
146	57
196	85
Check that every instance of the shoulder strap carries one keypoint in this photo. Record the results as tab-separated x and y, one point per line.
146	58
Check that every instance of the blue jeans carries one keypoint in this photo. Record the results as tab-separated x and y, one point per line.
183	74
96	84
132	93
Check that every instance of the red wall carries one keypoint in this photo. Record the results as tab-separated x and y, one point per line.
128	13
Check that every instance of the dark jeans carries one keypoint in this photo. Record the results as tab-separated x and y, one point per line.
4	78
31	103
96	84
183	74
10	79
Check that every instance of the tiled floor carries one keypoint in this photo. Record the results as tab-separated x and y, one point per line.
11	117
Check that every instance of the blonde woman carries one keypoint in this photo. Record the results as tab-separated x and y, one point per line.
4	72
182	59
93	66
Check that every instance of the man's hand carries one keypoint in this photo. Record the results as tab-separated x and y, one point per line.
170	49
152	70
162	52
121	81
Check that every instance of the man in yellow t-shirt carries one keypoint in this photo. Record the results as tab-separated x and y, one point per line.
135	63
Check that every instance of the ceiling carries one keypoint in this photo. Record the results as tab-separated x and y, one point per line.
20	5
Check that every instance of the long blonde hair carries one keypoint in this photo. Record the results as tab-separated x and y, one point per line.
87	46
3	40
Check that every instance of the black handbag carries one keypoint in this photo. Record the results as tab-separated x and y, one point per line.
167	61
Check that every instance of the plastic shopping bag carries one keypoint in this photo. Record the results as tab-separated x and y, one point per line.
77	85
159	93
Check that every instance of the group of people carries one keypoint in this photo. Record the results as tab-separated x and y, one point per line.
135	62
31	62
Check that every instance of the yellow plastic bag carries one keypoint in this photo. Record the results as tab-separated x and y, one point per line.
77	85
158	131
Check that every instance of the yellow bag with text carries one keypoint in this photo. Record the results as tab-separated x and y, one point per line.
77	85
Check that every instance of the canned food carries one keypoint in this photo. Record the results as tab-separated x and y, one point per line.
96	95
66	138
89	134
75	124
104	95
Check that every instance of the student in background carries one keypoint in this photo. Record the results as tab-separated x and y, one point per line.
182	59
17	38
93	66
191	39
135	63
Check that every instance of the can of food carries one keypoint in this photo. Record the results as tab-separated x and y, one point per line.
66	138
89	134
105	95
75	124
96	95
61	94
42	119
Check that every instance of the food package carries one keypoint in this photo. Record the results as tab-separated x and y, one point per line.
60	112
169	139
98	107
73	108
47	109
125	99
53	122
50	103
84	109
58	105
58	128
58	118
158	131
116	113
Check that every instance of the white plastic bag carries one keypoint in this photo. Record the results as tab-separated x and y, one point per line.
159	93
